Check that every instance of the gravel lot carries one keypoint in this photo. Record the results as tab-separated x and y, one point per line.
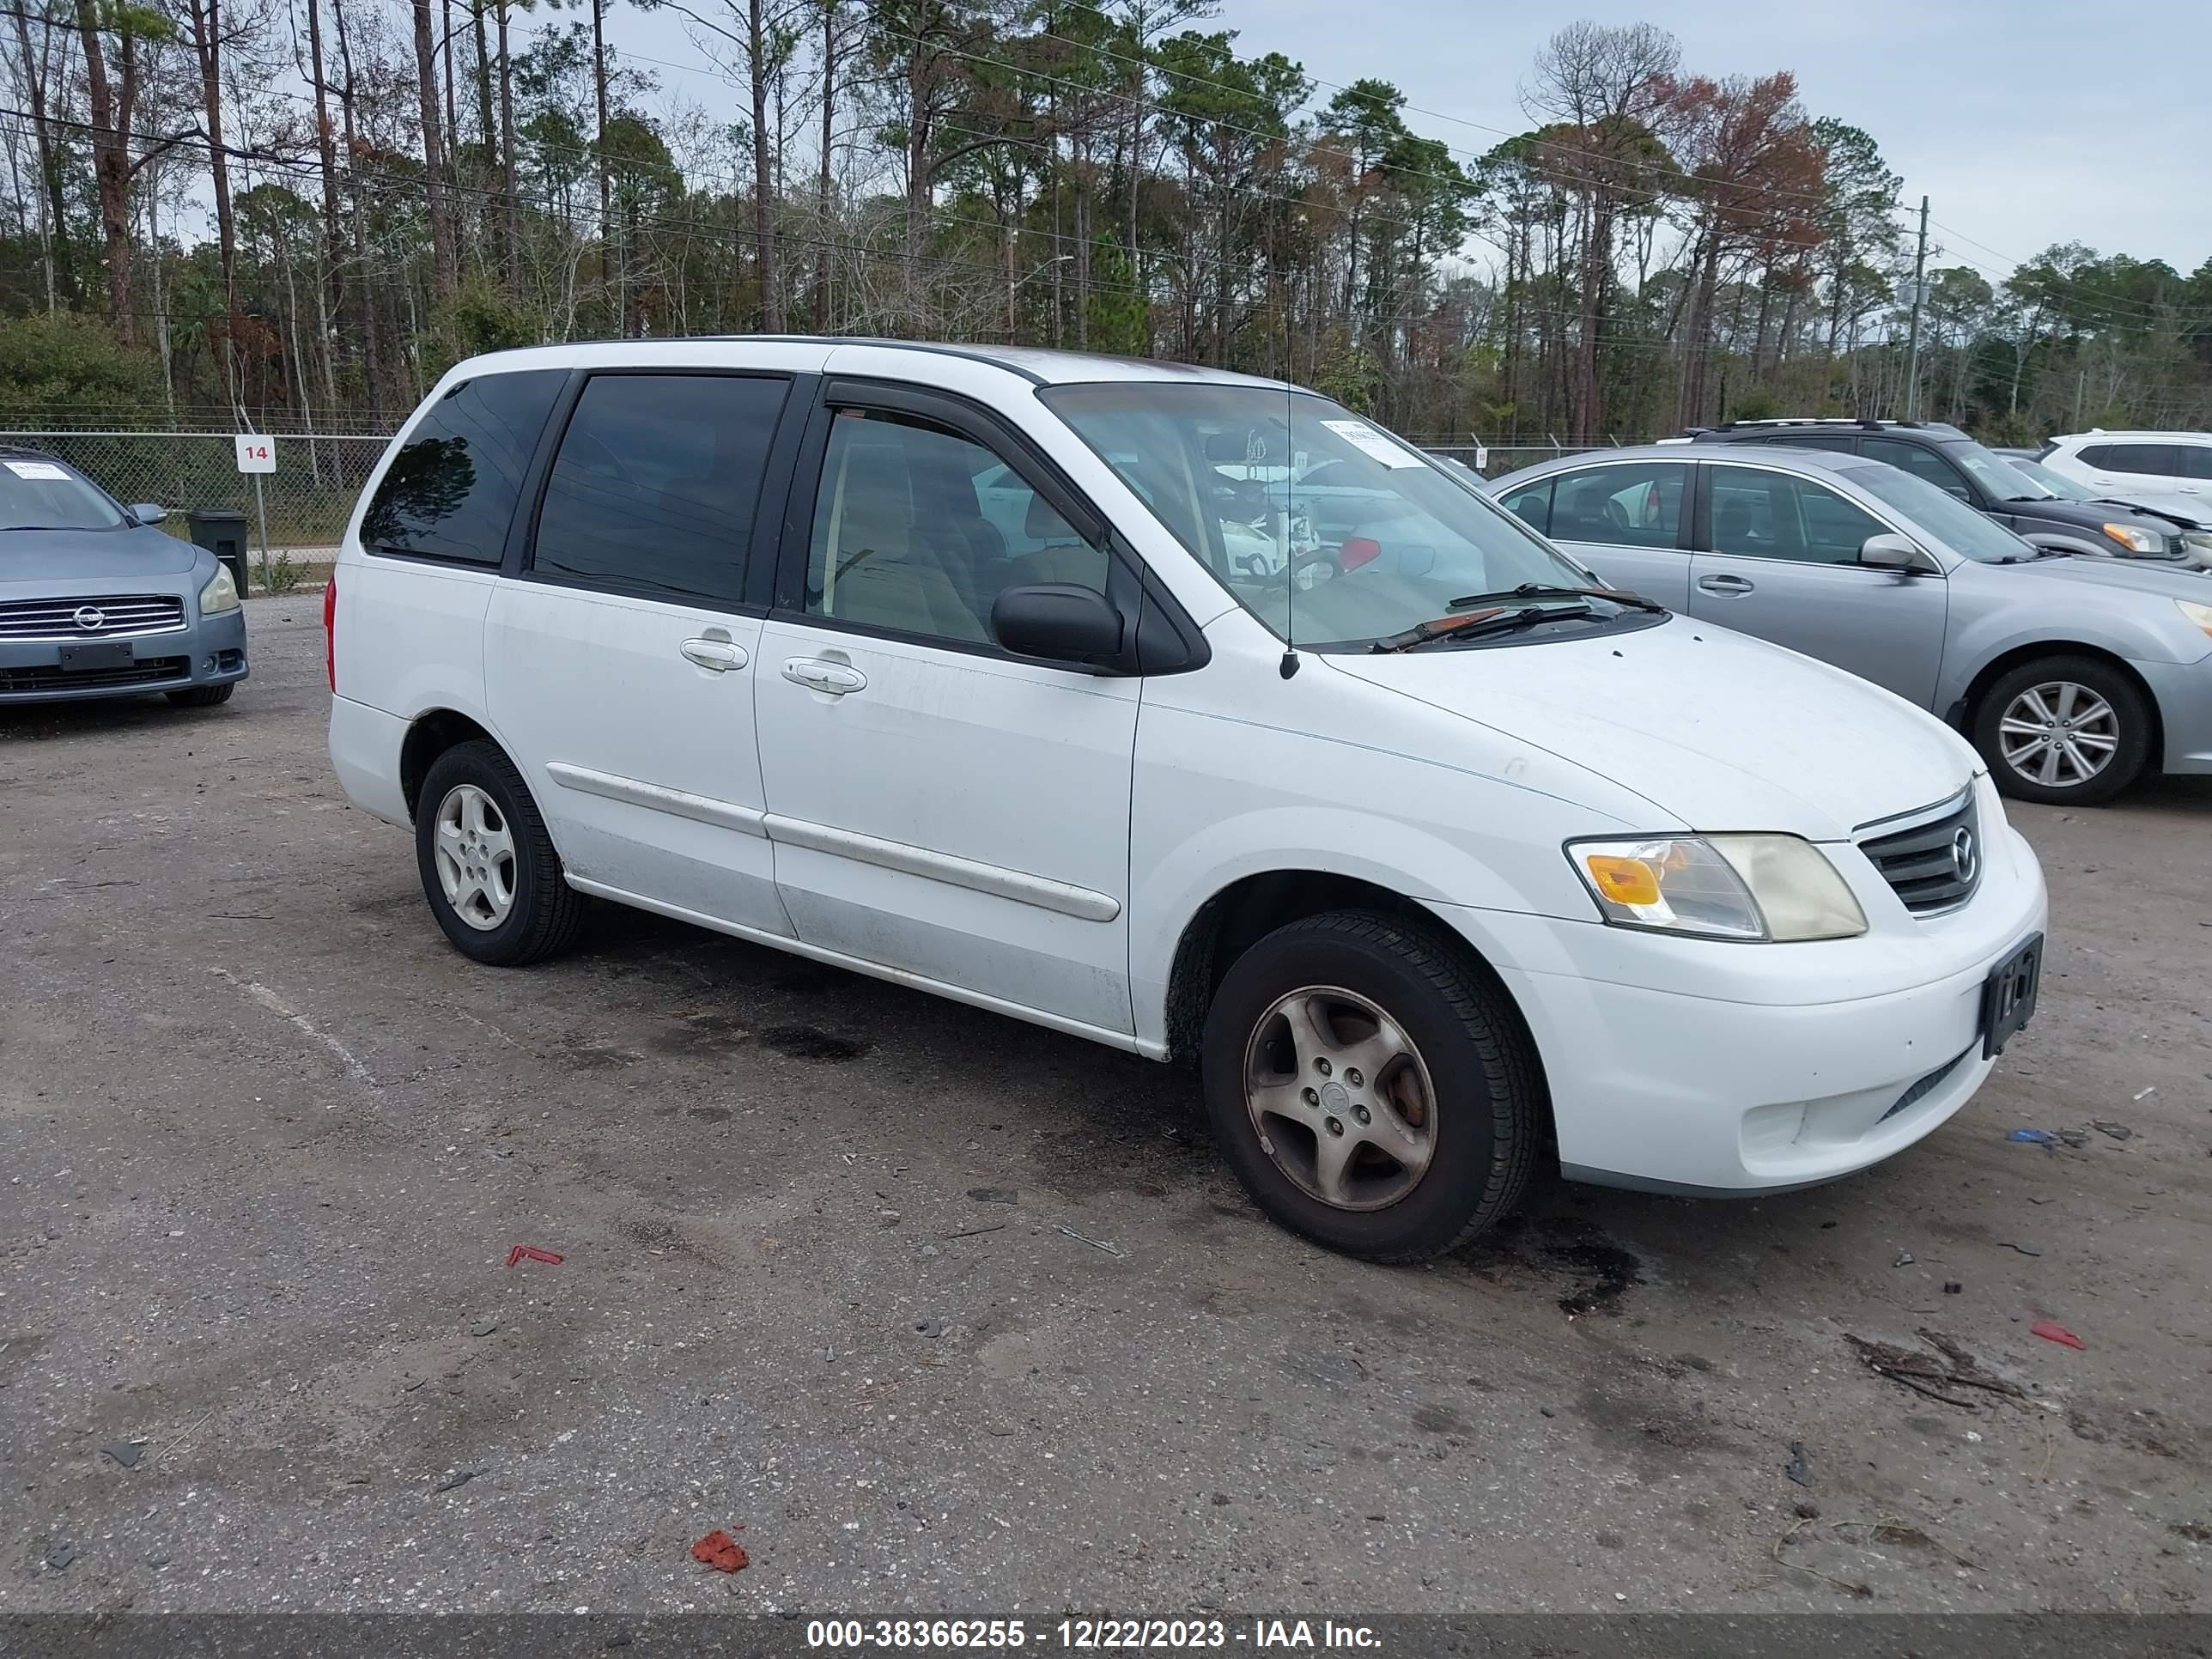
957	1315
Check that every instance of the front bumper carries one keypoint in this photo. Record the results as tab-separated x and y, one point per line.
1686	1066
205	650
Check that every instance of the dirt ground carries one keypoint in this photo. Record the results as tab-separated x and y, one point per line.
953	1314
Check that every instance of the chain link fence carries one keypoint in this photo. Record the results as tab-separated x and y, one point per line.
304	505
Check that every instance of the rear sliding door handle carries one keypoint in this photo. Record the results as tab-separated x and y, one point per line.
834	678
718	656
1726	587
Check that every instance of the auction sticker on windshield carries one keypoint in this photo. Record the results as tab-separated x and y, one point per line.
36	470
1365	438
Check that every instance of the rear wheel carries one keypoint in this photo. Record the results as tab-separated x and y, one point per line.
488	868
2064	731
1370	1088
201	696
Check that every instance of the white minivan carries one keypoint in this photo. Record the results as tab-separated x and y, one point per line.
1032	679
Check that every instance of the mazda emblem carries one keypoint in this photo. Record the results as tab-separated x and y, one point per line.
1964	858
90	618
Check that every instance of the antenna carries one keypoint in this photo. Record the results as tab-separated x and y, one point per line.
1290	663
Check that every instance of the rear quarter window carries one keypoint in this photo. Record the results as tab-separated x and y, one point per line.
451	492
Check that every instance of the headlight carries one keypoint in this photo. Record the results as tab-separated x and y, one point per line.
2199	614
219	594
1777	888
2137	540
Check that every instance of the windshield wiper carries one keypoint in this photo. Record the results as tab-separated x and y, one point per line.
1481	625
1544	591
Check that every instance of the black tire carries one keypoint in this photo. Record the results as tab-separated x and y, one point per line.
201	697
546	913
1490	1103
2131	716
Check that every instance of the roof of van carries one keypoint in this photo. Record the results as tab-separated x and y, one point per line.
1036	365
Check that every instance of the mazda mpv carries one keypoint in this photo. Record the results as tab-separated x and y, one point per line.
964	668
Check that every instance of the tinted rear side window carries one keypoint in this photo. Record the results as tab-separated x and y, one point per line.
654	488
451	492
2155	458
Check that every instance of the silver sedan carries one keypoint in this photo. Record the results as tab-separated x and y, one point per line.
2072	676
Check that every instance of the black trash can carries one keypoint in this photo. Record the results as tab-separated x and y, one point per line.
222	533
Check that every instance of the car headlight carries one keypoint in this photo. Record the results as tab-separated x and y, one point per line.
2199	614
1767	888
2134	539
219	594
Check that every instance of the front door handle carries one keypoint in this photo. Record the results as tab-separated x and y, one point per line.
719	656
834	678
1727	587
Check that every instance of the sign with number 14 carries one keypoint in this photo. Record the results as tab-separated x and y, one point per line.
256	454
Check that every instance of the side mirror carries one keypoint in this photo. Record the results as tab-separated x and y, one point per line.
1890	551
147	512
1057	622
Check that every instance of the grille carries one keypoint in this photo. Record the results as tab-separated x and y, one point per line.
147	670
57	619
1922	863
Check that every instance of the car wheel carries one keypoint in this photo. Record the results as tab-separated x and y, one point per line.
2064	731
201	696
488	868
1371	1090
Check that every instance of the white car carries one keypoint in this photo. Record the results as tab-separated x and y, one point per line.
2131	464
1432	873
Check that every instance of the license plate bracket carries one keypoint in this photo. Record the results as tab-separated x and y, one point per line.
2008	995
95	655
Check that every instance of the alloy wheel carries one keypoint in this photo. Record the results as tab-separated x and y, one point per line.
2059	734
1340	1098
475	857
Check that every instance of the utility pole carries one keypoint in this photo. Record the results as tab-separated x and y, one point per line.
1912	334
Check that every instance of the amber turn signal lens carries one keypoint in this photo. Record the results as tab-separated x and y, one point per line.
1625	881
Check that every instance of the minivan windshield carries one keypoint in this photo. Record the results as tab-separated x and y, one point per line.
1945	517
1324	526
37	494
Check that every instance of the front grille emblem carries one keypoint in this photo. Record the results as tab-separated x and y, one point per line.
1964	858
91	618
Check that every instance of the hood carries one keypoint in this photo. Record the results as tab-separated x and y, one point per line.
1718	731
2188	512
2086	514
54	558
2177	581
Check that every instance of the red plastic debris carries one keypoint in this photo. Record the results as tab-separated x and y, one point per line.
530	1253
2052	1331
720	1552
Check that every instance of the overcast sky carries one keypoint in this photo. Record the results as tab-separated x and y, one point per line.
2025	123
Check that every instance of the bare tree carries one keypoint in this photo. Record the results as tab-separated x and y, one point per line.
1604	94
434	151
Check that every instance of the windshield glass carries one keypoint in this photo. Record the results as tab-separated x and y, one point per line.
1325	527
1989	469
37	494
1946	518
2055	484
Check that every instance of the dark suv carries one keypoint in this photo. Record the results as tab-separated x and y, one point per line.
1958	466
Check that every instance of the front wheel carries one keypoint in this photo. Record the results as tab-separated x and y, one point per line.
1371	1089
2063	730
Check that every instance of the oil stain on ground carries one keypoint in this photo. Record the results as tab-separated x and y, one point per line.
1599	1273
804	1043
